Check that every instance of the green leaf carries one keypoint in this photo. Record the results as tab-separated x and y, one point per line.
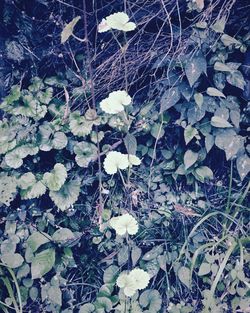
202	173
103	303
222	67
87	308
63	235
37	239
130	144
243	165
228	40
236	79
26	180
8	186
110	274
170	97
189	133
151	299
35	191
68	29
230	142
55	295
13	260
198	97
135	255
220	122
78	124
85	153
42	263
184	276
56	178
157	131
194	68
67	195
190	158
204	269
213	92
209	142
219	25
59	141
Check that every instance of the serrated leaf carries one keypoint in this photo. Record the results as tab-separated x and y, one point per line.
8	189
184	276
42	263
170	98
67	195
130	144
151	299
26	180
35	191
87	308
68	29
213	92
78	124
59	141
220	122
204	269
189	133
194	68
56	178
190	158
36	240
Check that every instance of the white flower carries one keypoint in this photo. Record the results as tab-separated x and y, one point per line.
133	159
127	283
140	277
119	21
124	224
115	161
137	279
115	102
103	26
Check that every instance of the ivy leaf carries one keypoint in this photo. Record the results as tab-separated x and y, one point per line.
151	299
68	29
56	178
236	79
190	158
85	153
37	239
42	263
170	97
13	260
67	195
220	122
189	133
213	92
243	165
184	275
130	144
194	68
203	172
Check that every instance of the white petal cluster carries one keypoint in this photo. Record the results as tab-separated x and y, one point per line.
123	224
119	21
135	280
115	102
115	161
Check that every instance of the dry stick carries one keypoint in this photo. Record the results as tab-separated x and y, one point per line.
100	205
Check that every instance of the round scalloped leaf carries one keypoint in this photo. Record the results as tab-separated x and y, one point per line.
67	195
59	141
85	153
7	189
35	191
151	299
13	159
79	126
56	178
26	180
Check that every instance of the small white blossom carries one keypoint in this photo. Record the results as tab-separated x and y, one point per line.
124	224
119	21
115	102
